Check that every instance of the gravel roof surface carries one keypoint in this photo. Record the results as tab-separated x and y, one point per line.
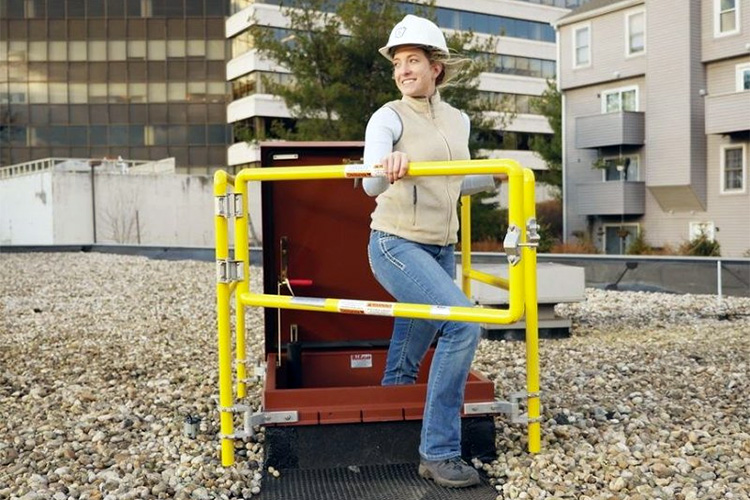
102	357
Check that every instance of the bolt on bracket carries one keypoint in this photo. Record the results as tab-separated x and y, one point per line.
512	408
228	271
511	244
268	417
228	205
532	233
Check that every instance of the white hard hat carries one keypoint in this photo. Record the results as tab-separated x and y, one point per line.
414	30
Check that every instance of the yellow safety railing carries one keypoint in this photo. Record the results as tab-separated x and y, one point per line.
233	274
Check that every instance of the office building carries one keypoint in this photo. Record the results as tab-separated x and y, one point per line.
140	79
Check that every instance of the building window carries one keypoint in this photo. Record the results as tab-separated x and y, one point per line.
582	47
636	33
517	103
726	17
697	229
621	168
733	169
523	66
624	99
743	77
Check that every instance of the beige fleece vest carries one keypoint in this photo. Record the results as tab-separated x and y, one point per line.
423	209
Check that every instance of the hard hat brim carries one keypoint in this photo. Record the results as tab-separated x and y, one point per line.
387	50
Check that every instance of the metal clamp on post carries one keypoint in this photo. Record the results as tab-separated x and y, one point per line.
229	205
512	241
523	418
532	234
258	418
235	409
511	244
228	271
268	417
259	374
509	408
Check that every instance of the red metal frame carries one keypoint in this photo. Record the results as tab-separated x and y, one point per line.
326	224
334	392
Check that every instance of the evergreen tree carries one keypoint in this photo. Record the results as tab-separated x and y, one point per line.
549	148
340	80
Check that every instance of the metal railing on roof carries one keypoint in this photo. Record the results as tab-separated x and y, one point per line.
44	164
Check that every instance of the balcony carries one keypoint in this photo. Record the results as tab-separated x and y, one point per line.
256	105
611	198
728	113
610	129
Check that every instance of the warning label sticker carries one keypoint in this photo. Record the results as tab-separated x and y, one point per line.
361	360
351	306
379	308
441	310
356	170
366	307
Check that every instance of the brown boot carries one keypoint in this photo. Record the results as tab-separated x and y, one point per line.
451	473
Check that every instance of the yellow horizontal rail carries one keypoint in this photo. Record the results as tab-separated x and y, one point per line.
417	169
380	308
489	279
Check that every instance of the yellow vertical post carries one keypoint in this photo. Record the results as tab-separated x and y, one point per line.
223	293
241	253
532	319
466	245
516	217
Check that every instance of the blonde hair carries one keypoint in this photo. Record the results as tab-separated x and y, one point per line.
452	65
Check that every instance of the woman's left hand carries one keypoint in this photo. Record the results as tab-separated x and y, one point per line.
396	165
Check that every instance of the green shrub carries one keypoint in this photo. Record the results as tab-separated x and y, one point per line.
639	246
583	244
701	246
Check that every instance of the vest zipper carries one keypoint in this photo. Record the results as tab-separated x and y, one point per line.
447	190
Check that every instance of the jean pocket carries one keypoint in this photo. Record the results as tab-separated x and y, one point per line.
386	244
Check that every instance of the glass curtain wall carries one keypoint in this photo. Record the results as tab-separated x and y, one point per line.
141	79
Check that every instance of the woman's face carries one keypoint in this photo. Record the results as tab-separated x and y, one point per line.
415	75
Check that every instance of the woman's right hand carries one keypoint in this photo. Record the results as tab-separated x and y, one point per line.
395	166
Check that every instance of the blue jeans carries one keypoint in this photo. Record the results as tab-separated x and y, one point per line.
423	274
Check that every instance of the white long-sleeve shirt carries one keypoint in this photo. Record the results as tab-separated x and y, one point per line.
383	131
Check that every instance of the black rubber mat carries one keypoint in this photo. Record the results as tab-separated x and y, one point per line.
372	482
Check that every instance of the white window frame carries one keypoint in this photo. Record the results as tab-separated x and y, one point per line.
628	50
619	90
576	64
717	19
741	69
696	227
636	157
722	160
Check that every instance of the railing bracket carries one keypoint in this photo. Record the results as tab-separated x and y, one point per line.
511	244
229	271
229	205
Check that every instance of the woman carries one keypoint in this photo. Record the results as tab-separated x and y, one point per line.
414	229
